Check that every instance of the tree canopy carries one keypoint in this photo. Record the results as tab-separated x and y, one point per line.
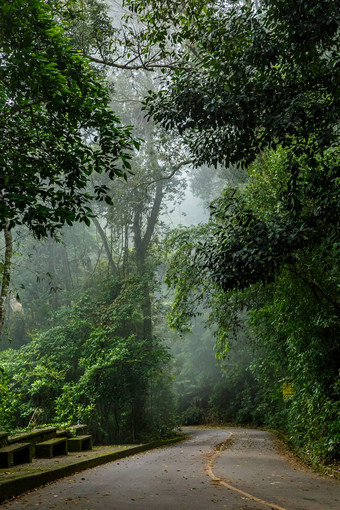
255	79
56	124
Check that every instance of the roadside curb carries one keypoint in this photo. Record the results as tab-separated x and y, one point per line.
26	483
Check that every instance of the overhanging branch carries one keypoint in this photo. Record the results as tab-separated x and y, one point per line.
136	67
166	177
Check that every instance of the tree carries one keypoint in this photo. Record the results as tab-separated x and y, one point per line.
258	79
290	313
56	126
56	113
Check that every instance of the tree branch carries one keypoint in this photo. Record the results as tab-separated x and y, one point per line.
136	67
166	177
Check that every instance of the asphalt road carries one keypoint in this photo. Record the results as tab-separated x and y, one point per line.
249	474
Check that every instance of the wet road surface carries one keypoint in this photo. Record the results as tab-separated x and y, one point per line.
249	474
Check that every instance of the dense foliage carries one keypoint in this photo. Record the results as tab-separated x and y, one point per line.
88	311
55	112
290	321
94	366
257	79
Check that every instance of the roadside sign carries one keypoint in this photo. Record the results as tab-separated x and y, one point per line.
287	390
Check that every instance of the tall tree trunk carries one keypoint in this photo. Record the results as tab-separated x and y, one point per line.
6	274
112	265
67	273
141	246
52	252
126	251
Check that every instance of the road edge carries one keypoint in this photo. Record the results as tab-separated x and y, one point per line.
303	459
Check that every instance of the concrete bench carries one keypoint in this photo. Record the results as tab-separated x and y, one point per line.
79	443
35	436
73	431
17	453
51	448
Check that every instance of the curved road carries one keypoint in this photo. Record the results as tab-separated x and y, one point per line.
248	474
